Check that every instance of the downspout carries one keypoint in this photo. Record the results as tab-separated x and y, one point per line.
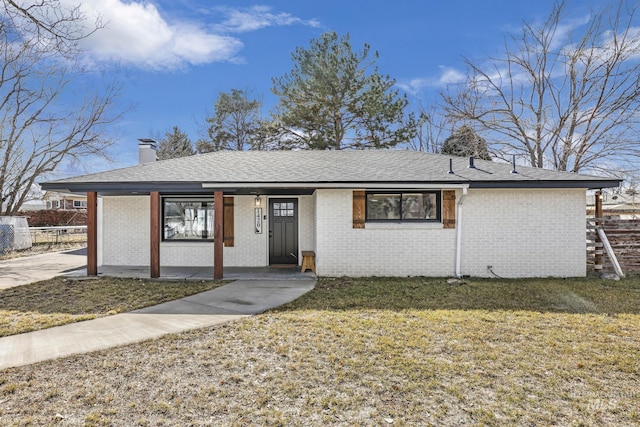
459	232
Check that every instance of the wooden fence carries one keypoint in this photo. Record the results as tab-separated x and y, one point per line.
624	237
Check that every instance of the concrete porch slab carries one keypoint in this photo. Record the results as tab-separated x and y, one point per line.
201	273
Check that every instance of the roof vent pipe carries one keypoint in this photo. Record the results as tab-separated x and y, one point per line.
451	167
471	165
514	164
146	150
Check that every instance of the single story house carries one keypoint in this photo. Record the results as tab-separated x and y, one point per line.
64	201
616	204
363	213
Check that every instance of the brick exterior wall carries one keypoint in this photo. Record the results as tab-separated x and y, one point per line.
381	249
125	235
524	233
125	230
521	233
249	249
306	224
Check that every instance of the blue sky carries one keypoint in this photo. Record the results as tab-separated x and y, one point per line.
174	56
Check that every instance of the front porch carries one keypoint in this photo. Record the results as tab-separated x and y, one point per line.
155	242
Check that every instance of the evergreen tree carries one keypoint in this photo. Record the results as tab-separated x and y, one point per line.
234	124
334	98
175	144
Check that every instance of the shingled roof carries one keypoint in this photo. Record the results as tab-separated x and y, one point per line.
322	169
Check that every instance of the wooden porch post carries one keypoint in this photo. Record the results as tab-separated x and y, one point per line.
92	233
154	237
218	238
599	206
599	223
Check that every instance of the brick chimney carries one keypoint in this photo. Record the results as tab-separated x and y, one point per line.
146	150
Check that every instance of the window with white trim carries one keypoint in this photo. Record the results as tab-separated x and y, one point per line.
187	219
401	206
79	204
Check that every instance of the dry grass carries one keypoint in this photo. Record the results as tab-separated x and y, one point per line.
63	300
56	237
42	248
367	352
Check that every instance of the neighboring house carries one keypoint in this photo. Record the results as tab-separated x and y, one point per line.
616	205
33	205
363	213
64	201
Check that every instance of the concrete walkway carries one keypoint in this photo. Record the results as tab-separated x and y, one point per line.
23	270
233	301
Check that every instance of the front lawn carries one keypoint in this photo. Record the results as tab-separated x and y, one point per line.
373	352
61	300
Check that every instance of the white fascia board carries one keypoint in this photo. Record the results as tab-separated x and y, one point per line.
362	185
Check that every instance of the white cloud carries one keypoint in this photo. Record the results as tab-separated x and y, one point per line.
566	29
136	33
446	77
612	44
450	76
257	17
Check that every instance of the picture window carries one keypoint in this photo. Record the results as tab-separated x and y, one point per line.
413	206
187	219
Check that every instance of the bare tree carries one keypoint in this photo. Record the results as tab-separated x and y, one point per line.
431	124
569	100
37	129
49	24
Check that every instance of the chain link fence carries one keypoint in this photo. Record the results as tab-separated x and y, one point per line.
14	233
6	238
